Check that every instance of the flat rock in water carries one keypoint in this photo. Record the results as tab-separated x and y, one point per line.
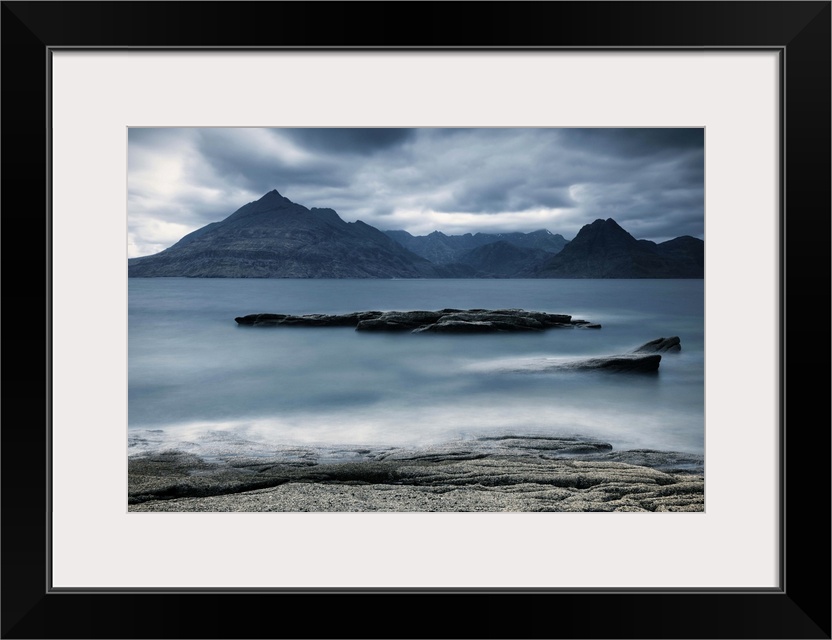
310	320
645	359
627	362
442	321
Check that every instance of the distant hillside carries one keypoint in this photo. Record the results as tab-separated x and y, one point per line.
502	259
444	249
604	250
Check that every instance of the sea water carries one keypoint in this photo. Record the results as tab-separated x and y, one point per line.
199	382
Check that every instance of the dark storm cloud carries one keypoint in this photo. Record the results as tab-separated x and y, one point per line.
636	142
259	167
155	136
453	179
349	141
500	192
650	180
477	171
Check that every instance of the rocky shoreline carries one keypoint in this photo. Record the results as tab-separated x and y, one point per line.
514	473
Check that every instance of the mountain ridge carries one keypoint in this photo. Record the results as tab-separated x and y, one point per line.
273	237
446	249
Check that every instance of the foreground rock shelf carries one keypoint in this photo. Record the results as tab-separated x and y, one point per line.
442	321
498	473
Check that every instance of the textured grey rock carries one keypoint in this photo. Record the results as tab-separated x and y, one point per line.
498	473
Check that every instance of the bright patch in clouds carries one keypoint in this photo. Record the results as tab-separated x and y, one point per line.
152	235
421	222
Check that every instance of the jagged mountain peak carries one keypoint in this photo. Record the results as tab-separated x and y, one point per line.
273	197
601	223
603	231
271	201
603	249
274	237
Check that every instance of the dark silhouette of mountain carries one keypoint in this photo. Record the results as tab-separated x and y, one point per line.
436	247
502	259
687	252
274	237
444	249
604	250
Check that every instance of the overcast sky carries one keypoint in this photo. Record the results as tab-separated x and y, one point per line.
651	181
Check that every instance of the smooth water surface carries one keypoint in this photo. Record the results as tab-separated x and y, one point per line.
199	381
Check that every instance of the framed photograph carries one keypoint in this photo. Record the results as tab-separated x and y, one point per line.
428	373
196	450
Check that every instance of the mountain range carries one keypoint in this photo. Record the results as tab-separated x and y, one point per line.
274	237
443	249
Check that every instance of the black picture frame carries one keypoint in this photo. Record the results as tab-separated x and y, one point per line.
800	608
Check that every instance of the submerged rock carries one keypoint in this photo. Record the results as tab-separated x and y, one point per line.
644	359
442	321
626	362
661	345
